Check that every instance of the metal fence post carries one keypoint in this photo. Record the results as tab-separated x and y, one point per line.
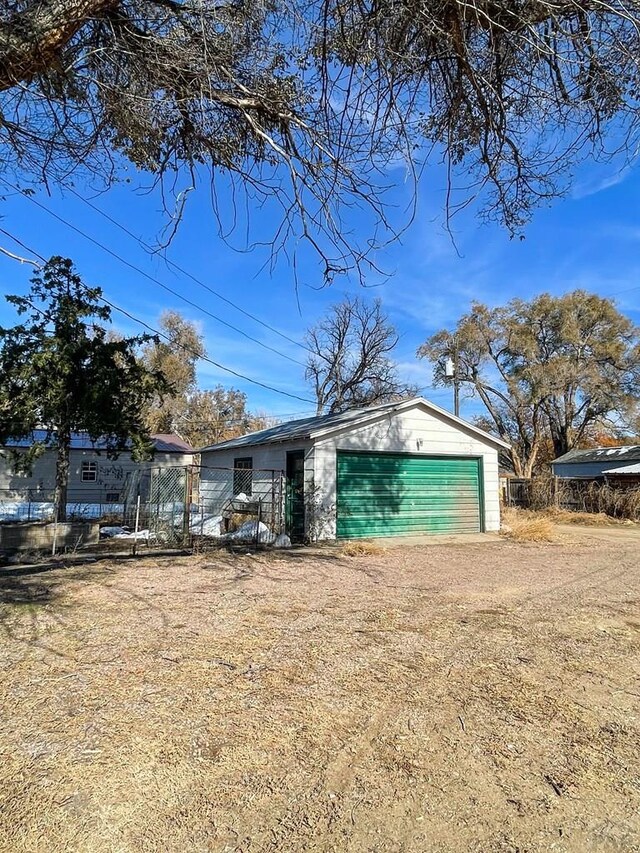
187	506
259	521
137	525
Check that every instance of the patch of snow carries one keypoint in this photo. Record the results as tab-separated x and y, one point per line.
38	510
141	534
25	511
108	532
206	525
249	531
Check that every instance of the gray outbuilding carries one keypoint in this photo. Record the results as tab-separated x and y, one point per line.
93	477
614	464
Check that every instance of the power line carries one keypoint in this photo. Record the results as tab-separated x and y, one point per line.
204	357
172	342
151	278
626	290
190	275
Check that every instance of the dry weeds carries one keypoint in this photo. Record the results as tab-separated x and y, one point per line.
588	519
357	548
450	698
527	527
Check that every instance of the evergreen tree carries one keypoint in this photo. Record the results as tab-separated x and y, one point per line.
62	372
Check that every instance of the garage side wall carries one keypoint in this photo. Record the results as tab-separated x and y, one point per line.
216	483
414	431
588	470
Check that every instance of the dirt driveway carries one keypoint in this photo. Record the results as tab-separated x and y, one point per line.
480	697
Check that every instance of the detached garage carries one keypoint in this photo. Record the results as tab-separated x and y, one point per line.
405	468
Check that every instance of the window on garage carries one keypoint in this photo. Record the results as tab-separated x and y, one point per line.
242	475
89	472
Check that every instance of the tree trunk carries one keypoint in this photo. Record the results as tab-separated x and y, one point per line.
31	39
560	442
62	475
517	464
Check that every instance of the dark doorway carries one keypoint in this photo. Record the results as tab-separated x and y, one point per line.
294	506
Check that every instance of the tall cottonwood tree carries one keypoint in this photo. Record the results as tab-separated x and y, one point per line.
59	371
217	414
551	368
349	362
305	103
174	355
200	416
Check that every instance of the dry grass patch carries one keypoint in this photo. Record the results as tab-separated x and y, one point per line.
451	698
588	519
524	526
361	549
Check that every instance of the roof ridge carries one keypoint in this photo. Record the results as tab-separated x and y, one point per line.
320	425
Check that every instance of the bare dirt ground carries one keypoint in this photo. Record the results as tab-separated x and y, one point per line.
476	697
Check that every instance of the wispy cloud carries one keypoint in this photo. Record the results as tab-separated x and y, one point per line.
596	184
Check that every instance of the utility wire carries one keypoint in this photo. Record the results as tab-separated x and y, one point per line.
190	275
172	342
204	357
151	278
162	334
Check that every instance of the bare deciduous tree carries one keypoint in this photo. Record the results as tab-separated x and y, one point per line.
350	362
551	369
305	103
217	414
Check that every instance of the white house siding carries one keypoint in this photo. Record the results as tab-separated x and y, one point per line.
111	475
413	431
216	477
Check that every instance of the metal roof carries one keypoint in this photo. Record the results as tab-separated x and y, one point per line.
307	428
170	443
162	442
625	469
628	453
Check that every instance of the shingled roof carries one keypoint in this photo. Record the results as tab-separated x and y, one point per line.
162	442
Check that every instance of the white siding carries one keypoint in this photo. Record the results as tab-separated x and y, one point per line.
111	474
216	477
411	431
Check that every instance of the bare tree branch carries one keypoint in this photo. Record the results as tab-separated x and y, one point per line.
350	362
306	107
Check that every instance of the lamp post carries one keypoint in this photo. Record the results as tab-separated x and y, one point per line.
451	372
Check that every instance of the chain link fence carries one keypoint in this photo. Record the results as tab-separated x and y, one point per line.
166	507
238	506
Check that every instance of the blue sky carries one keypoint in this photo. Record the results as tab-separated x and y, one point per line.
589	239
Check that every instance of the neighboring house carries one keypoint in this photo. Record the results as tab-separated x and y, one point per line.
93	477
618	465
400	468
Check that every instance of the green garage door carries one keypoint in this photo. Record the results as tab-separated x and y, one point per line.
389	494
